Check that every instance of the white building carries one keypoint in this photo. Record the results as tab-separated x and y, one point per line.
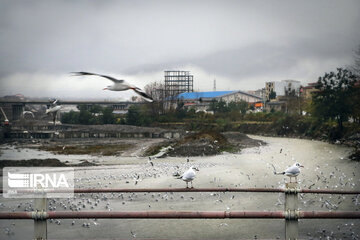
282	88
201	100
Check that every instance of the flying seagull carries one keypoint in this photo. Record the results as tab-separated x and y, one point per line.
292	171
119	85
53	109
189	175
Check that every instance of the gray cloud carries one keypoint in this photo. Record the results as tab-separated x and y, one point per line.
238	41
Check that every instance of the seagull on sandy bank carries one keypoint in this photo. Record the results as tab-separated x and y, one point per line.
189	175
292	171
150	161
119	85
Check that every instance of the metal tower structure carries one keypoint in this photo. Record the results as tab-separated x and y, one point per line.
177	82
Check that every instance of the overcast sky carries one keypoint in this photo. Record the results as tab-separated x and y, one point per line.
241	44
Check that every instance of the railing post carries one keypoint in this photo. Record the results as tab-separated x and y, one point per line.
291	211
40	223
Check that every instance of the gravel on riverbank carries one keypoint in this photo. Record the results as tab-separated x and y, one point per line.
207	143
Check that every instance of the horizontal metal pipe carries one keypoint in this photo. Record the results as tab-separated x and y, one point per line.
94	190
179	215
145	215
129	190
342	215
328	191
16	215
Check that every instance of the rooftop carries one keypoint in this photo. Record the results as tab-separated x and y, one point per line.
197	95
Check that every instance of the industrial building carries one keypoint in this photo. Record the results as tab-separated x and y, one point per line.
200	101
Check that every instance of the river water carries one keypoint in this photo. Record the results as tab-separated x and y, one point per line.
326	166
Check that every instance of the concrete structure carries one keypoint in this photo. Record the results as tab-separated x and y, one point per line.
307	91
260	93
14	108
276	106
282	88
67	131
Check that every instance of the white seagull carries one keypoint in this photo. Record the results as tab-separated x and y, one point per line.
119	85
28	112
292	171
53	109
189	175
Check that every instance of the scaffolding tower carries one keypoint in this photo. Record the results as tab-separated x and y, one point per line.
177	82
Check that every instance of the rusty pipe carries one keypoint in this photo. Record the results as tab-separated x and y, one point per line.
129	190
94	190
144	215
16	215
179	215
342	215
328	191
168	215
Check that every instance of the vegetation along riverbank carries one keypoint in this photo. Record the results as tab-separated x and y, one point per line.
332	113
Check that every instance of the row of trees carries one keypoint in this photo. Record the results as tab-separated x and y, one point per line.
89	116
222	107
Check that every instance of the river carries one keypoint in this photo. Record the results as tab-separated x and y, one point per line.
326	166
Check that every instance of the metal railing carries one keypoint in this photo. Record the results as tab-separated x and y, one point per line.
291	214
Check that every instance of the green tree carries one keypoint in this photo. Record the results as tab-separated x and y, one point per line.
71	117
355	98
108	116
333	100
218	106
95	109
272	95
85	116
134	116
241	106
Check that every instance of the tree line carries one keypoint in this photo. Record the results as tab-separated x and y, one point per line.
89	115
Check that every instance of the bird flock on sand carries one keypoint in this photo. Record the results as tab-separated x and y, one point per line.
154	170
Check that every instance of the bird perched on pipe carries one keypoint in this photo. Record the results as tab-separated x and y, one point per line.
119	85
189	176
292	171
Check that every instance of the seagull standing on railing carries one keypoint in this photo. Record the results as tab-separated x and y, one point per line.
119	85
292	171
189	176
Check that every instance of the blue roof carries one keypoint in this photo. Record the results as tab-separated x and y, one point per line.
197	95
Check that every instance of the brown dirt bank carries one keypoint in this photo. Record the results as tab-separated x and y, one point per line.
93	149
206	143
49	162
